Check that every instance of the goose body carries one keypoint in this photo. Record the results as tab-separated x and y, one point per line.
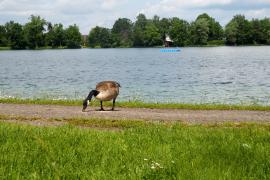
105	91
108	90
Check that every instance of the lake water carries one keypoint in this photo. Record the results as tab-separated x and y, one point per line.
194	75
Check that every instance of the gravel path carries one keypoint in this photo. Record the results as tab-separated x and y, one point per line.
189	116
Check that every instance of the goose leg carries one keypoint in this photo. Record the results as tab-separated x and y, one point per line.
113	104
101	107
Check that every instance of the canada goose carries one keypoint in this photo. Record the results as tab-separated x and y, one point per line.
105	91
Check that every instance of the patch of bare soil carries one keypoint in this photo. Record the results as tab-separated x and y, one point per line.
188	116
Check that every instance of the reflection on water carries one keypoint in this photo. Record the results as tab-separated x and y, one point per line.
194	75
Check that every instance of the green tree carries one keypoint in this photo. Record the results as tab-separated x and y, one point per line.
242	30
257	32
152	36
215	29
179	32
155	20
164	27
73	37
199	31
265	24
35	32
231	33
122	32
15	35
3	36
139	29
141	21
99	37
260	30
55	36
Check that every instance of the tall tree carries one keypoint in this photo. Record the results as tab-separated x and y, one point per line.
141	21
179	32
164	27
35	32
55	36
15	35
152	36
265	23
231	33
122	32
156	20
139	29
99	37
73	37
199	31
215	29
242	30
257	31
3	36
260	30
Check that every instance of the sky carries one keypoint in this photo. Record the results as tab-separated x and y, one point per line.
90	13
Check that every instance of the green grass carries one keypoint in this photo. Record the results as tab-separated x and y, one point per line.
4	48
142	151
139	104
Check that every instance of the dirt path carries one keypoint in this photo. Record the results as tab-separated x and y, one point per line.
189	116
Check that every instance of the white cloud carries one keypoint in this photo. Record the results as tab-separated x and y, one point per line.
221	10
89	13
175	5
111	4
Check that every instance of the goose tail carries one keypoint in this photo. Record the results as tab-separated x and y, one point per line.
118	84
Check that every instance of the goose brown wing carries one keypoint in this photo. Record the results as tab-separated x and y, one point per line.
107	85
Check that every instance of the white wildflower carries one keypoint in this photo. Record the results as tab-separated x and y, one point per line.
155	165
246	146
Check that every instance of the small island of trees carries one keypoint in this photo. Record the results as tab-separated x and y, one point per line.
205	30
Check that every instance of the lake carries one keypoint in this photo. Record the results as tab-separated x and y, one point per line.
229	75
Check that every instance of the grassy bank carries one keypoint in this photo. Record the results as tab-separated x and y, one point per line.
5	48
139	104
142	151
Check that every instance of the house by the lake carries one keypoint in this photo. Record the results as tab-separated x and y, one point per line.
168	41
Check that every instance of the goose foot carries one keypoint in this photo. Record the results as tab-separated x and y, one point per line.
101	109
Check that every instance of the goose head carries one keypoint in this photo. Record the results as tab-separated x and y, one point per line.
87	100
85	104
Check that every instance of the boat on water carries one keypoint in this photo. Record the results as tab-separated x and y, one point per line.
170	50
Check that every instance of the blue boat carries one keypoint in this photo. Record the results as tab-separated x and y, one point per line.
170	50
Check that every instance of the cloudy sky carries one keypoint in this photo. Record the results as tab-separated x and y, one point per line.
89	13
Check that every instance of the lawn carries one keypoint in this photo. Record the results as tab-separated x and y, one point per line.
139	151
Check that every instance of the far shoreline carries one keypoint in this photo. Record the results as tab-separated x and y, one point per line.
204	46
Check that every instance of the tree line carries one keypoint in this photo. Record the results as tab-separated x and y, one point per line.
205	30
39	33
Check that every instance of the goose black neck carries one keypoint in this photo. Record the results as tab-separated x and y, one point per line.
91	94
